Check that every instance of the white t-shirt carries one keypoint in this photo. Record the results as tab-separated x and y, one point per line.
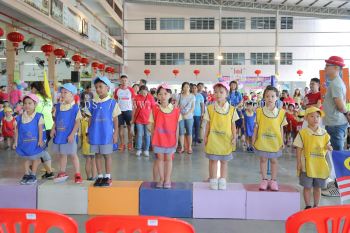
124	98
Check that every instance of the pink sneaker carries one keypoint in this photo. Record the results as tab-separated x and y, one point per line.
273	185
263	185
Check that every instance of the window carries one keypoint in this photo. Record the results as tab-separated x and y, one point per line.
233	23
262	58
172	23
172	58
233	59
201	58
286	22
202	23
150	24
286	59
263	23
150	59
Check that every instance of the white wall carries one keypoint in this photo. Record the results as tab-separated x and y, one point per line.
311	41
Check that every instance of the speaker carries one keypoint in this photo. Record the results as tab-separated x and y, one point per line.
75	76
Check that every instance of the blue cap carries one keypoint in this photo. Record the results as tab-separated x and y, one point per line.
104	79
69	87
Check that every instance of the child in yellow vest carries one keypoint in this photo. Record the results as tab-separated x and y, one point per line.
312	144
90	164
268	137
220	136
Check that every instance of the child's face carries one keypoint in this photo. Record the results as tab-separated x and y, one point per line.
29	105
291	108
8	114
220	93
313	119
194	89
163	96
270	97
123	81
249	107
101	89
144	92
66	96
1	106
314	86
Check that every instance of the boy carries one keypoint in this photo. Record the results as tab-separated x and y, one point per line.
312	144
313	97
103	129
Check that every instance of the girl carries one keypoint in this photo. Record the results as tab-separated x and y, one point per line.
15	95
30	139
164	127
268	137
143	104
8	127
220	136
235	97
90	165
297	96
249	121
186	103
64	132
289	129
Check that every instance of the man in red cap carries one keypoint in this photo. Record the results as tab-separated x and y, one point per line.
336	115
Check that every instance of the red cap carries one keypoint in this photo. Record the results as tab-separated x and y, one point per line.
335	60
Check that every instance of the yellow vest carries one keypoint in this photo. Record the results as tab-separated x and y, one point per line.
314	149
269	136
220	133
85	146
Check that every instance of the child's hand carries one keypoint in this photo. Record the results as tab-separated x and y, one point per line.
329	147
52	133
233	141
115	137
70	138
41	143
205	140
14	146
298	168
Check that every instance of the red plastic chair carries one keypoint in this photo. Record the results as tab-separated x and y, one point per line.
137	224
39	220
321	217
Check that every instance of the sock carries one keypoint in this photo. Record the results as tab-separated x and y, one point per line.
108	176
99	176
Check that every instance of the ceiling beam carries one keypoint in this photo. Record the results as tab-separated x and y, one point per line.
340	6
329	3
313	3
298	2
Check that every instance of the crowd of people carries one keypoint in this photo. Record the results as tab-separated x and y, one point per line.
166	122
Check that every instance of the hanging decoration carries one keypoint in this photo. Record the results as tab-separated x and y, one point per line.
84	61
95	65
300	72
76	58
101	66
196	72
15	38
147	72
176	72
257	72
59	53
109	70
47	49
1	32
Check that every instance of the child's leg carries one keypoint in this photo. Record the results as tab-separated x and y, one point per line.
168	167
249	141
274	168
108	164
76	164
121	135
223	169
99	165
63	163
160	165
182	142
27	164
46	160
317	196
307	196
155	170
88	166
35	165
93	165
129	134
263	167
213	169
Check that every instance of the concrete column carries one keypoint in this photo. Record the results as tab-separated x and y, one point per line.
10	58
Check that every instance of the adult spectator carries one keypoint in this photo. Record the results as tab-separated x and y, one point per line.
286	98
136	88
200	87
124	94
143	82
4	96
186	102
197	114
86	96
313	97
297	96
235	97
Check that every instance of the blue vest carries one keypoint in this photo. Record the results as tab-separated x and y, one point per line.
64	123
28	136
2	114
101	127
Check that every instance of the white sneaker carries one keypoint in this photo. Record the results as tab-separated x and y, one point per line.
138	153
146	153
213	184
222	184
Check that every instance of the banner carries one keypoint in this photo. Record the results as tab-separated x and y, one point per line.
341	164
249	83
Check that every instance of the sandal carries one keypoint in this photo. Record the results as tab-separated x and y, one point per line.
159	185
180	150
189	152
167	185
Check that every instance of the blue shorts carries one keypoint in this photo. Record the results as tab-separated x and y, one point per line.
186	127
125	118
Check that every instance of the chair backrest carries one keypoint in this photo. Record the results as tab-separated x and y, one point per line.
335	217
137	224
40	220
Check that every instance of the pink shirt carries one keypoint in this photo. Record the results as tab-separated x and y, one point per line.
15	96
143	108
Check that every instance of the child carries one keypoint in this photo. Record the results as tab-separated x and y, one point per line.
2	114
220	136
90	165
249	121
8	127
64	132
291	120
268	137
30	139
103	129
312	145
164	128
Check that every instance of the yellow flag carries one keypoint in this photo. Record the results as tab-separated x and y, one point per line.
47	85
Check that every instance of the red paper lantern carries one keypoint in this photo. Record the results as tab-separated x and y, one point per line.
59	53
147	72
84	61
95	65
300	72
101	66
76	58
109	70
196	72
176	72
257	72
15	38
47	49
1	32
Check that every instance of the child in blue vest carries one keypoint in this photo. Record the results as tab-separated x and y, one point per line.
103	129
64	132
249	121
2	114
30	139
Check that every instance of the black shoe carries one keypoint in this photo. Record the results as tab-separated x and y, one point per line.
98	182
106	182
308	207
31	179
48	176
24	179
200	141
